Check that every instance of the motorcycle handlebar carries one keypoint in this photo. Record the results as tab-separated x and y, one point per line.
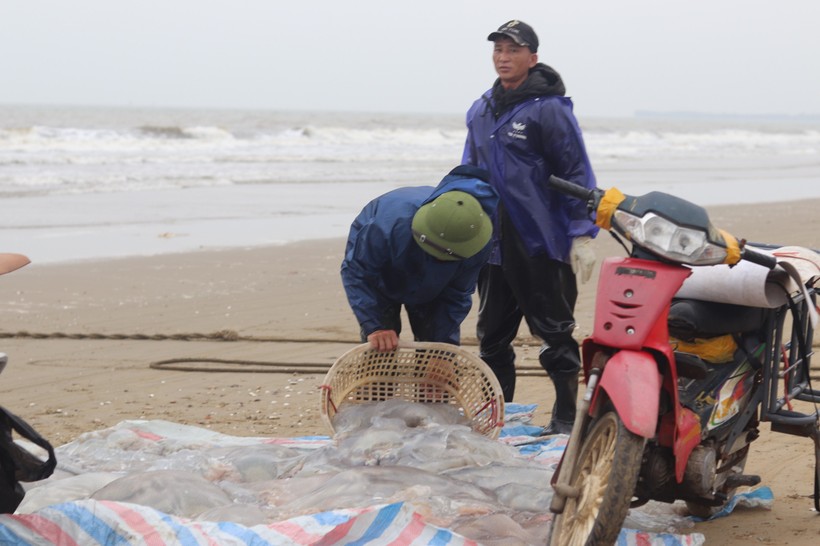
570	188
760	258
589	196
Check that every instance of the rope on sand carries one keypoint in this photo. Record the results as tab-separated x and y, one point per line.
222	335
224	365
249	366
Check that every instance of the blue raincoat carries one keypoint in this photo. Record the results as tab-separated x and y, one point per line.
384	266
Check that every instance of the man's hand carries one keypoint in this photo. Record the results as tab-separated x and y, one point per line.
383	340
582	258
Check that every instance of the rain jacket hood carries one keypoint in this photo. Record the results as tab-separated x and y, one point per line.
542	81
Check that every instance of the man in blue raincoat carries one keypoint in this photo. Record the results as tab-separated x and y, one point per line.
522	131
421	248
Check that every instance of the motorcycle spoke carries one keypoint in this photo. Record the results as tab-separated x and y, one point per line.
605	475
593	477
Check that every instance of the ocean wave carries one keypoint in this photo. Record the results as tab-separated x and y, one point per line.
717	144
163	132
192	151
161	139
174	132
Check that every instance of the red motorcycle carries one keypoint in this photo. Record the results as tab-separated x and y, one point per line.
676	388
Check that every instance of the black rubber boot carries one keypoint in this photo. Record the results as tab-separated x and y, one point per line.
502	363
563	411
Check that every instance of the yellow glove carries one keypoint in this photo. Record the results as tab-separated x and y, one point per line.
582	258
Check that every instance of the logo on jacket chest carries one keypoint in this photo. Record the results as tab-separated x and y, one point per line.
518	130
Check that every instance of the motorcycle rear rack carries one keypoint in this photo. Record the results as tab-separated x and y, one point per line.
786	377
782	383
787	373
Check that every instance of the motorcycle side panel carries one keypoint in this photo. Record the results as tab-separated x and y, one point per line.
732	396
632	295
687	438
633	383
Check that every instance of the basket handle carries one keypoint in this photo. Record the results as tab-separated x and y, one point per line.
425	345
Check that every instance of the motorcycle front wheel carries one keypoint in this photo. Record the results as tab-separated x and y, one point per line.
605	476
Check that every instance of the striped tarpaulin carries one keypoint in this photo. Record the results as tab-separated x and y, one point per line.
98	522
90	522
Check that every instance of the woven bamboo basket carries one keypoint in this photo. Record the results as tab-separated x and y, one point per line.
416	372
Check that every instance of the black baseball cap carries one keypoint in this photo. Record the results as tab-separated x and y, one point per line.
521	33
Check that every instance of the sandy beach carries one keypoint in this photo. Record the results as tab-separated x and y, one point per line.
256	328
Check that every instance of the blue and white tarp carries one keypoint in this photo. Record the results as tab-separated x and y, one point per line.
311	490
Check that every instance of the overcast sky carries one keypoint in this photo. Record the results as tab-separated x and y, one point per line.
616	56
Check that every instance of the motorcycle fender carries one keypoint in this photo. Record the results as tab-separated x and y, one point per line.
633	383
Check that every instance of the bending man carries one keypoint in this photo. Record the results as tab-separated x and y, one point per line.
420	248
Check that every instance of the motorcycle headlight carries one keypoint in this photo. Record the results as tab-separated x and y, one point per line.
669	240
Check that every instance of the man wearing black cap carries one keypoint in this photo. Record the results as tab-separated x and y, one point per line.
522	131
420	248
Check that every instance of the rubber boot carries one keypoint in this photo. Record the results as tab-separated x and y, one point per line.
563	411
502	363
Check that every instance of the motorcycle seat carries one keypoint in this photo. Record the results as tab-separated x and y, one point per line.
690	319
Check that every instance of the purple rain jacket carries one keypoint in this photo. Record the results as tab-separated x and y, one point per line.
533	136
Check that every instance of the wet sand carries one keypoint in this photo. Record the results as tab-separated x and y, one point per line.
89	345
